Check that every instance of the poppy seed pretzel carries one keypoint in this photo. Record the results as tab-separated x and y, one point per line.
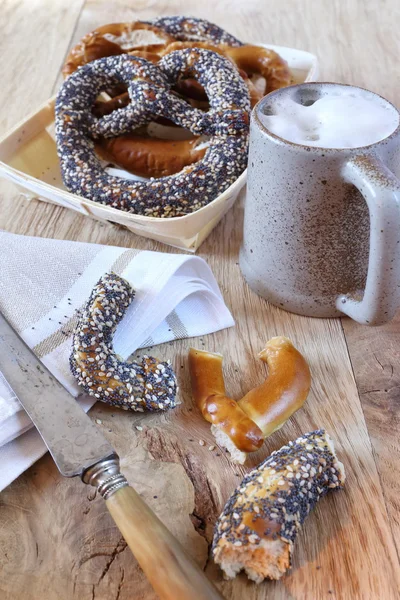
259	524
226	123
149	385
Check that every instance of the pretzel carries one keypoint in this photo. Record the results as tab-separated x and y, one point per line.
117	38
263	409
259	524
111	40
226	123
150	384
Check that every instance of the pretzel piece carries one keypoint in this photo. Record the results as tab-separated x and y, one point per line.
258	527
138	386
283	392
263	409
225	414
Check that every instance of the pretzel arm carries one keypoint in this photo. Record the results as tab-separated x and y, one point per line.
263	61
283	392
224	413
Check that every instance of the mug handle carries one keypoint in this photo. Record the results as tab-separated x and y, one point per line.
381	190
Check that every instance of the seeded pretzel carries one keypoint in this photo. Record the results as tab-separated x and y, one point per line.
119	38
242	426
259	524
140	154
226	124
148	385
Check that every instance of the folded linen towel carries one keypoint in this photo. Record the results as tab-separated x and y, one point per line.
43	282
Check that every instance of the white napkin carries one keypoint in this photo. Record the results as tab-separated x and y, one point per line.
43	282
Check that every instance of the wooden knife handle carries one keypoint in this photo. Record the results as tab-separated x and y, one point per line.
166	564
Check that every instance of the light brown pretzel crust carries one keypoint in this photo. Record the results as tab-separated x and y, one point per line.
262	410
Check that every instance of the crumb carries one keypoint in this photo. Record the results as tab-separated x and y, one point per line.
211	448
139	427
99	421
202	443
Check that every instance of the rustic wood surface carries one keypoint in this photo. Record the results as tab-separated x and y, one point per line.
57	541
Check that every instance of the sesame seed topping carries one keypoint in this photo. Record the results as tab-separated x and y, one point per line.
225	124
286	508
113	379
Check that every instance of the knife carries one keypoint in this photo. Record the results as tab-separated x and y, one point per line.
79	449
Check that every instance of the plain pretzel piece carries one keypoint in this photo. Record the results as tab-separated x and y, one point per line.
283	392
242	426
223	413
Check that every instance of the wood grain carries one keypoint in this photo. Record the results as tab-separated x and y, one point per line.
57	540
375	357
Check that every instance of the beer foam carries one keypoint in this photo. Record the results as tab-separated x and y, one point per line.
346	119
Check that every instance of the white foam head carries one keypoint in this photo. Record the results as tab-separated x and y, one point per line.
330	117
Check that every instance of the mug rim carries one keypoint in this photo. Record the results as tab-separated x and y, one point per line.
308	148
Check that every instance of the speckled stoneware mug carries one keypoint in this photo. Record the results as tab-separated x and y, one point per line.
322	225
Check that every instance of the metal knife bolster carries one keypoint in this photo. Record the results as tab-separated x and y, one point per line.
105	476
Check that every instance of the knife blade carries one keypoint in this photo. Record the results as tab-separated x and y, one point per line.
74	442
78	448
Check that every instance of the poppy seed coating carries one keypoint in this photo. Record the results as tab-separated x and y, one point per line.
190	29
148	385
226	124
259	524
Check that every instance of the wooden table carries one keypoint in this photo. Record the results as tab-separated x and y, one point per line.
56	539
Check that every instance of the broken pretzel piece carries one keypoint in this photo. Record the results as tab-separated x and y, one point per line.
242	426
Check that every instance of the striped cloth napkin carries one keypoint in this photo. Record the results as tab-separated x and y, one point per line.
43	282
